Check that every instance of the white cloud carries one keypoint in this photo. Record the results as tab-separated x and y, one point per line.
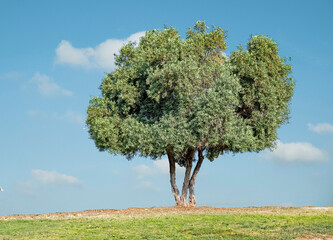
102	56
53	177
321	128
297	152
66	53
135	37
47	87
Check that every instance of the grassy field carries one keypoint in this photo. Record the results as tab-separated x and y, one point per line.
174	223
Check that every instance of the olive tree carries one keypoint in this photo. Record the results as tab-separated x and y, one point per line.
185	99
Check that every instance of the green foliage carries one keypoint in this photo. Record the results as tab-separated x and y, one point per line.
170	92
267	88
247	224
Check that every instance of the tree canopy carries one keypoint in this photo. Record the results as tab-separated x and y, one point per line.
175	96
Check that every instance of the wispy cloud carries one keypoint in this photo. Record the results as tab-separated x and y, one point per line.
321	128
297	152
102	56
160	167
10	75
143	171
46	178
146	185
47	87
53	177
36	113
69	116
26	188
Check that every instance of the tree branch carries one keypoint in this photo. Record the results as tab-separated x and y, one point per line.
192	200
189	159
172	167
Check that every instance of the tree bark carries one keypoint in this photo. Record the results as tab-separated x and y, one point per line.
192	200
189	159
172	165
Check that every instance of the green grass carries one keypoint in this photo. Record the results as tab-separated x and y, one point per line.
176	225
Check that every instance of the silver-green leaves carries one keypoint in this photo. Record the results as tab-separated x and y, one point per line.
167	91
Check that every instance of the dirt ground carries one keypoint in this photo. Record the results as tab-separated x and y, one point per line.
166	211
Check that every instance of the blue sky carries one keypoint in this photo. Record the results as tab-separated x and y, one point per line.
54	55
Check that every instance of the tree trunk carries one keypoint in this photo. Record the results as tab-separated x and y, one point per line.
172	165
189	159
189	181
192	200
